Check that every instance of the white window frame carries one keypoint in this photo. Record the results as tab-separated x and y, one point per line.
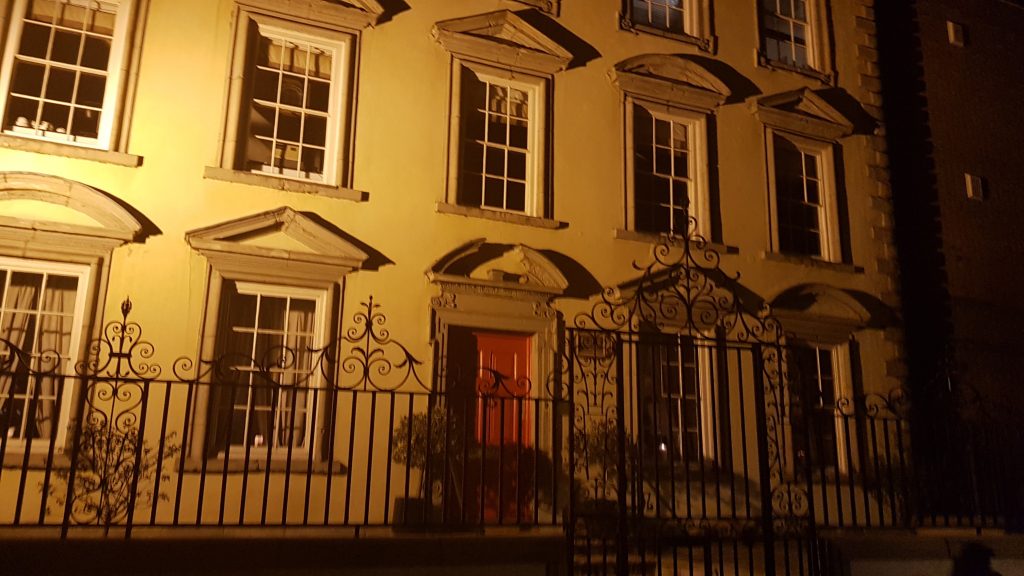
320	297
828	212
842	379
700	203
342	42
83	272
113	91
536	173
706	363
696	22
815	43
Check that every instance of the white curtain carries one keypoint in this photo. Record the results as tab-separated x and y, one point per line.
37	319
261	407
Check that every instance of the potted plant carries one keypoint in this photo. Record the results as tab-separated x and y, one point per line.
418	443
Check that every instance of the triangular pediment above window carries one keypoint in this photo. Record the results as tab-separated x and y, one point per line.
355	14
502	38
802	111
672	79
514	271
277	239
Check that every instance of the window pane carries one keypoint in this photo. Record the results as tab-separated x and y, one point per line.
681	166
28	78
293	90
85	123
315	130
73	16
261	120
103	22
286	156
518	132
288	125
517	165
318	95
90	90
813	197
494	193
42	10
96	54
497	129
662	133
55	117
495	162
265	85
662	161
516	196
680	194
61	85
312	160
497	99
65	47
59	294
35	40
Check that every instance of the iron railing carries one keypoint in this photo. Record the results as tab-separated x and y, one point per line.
675	430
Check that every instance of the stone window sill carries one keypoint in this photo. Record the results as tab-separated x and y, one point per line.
812	262
37	460
69	151
237	465
818	75
705	44
652	238
284	184
521	219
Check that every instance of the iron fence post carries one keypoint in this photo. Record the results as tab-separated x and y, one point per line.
622	538
764	465
570	519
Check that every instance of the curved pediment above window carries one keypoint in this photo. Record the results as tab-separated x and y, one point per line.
478	271
34	206
356	14
672	79
275	244
803	112
502	38
821	313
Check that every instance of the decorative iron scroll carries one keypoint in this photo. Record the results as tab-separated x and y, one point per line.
366	357
682	290
112	466
683	287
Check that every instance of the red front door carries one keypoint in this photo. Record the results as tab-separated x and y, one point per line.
495	478
503	387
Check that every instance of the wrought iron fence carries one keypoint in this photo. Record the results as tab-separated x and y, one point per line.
676	431
354	438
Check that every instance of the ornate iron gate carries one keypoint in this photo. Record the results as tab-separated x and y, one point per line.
683	427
